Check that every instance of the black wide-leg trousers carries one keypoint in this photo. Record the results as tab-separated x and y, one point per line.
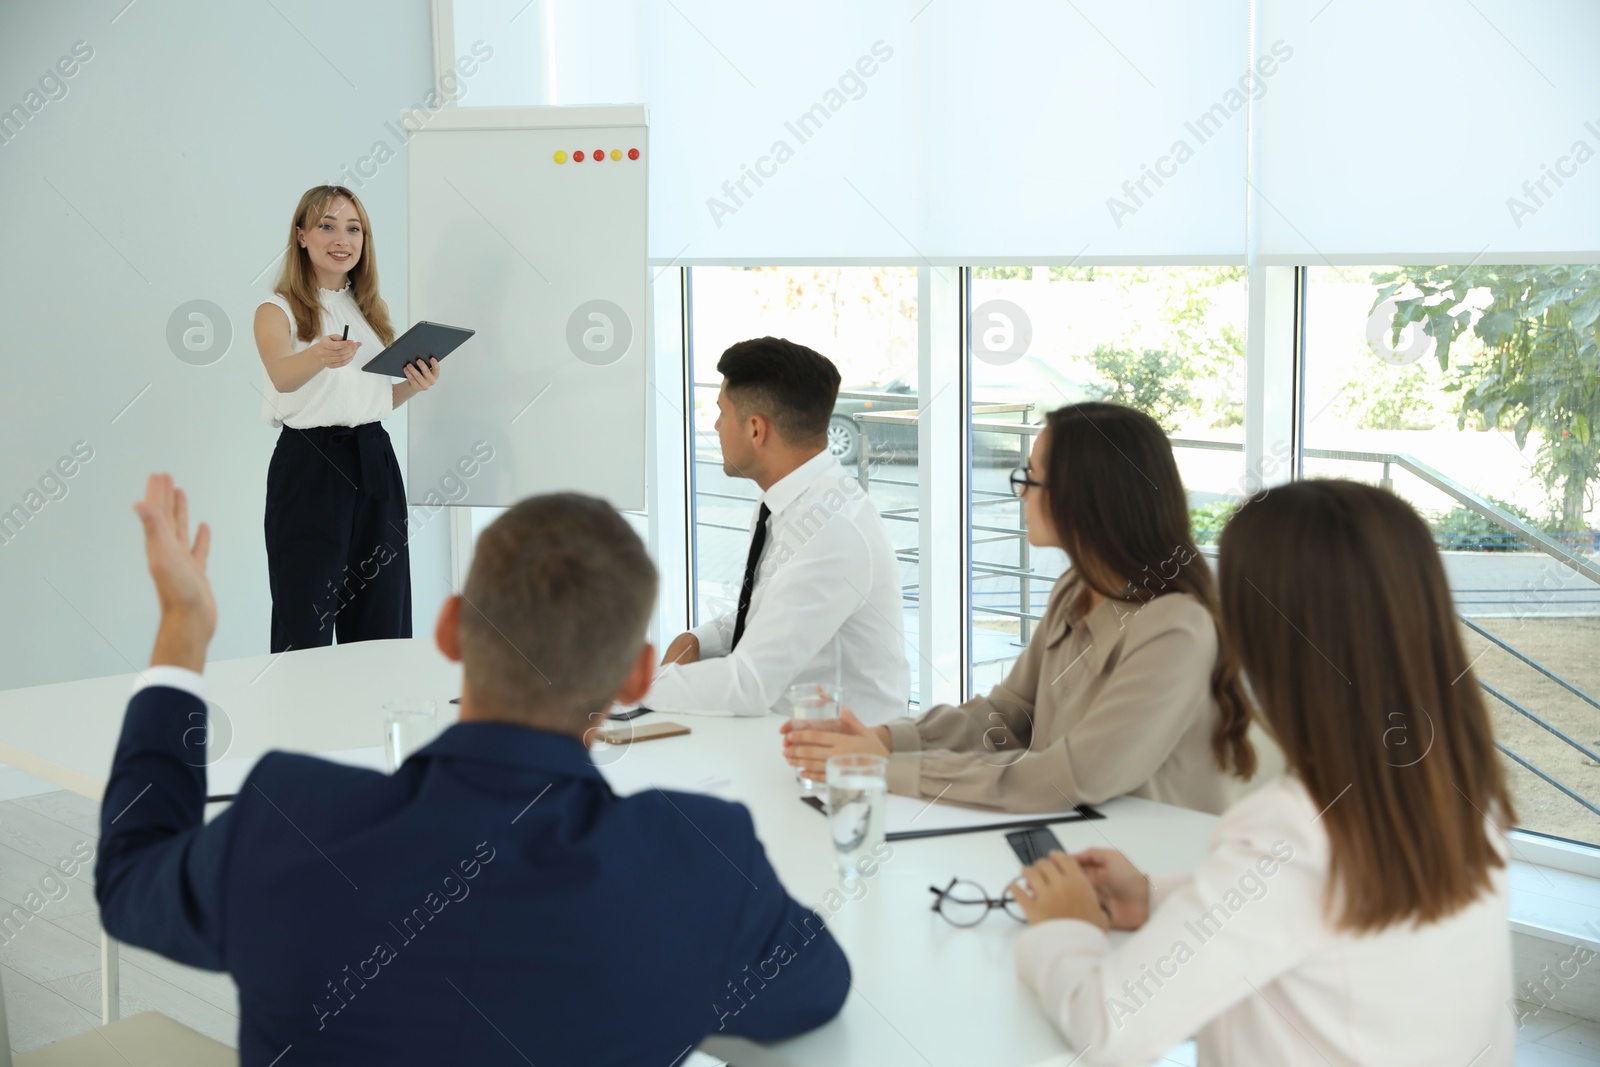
336	537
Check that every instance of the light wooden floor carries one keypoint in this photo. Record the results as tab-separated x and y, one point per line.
50	967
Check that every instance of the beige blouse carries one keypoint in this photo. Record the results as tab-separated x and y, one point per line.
1121	705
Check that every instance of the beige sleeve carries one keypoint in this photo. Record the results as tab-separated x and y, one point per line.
984	729
1160	684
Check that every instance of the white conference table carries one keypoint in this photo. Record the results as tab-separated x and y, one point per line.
924	992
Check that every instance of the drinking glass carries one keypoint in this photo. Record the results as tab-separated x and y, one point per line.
858	789
817	705
407	726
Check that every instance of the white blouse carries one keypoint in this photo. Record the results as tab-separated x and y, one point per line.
1237	954
336	396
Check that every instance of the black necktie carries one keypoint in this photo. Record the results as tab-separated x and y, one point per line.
758	541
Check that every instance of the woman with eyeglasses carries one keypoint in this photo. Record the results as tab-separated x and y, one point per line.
1352	911
1123	687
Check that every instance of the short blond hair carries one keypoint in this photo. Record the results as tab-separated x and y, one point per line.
555	609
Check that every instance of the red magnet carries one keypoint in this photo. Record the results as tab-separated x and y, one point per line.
633	153
577	157
599	154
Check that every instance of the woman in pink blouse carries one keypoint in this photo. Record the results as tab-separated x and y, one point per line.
1354	911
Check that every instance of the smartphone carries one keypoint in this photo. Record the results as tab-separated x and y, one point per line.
628	734
625	713
1033	844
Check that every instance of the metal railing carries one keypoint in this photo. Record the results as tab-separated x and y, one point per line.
1023	572
1521	531
1450	487
1389	461
844	394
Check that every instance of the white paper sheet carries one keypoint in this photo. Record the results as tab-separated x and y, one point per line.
635	768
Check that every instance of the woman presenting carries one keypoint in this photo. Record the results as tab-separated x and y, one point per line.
336	512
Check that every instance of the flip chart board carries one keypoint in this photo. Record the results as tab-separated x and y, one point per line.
527	224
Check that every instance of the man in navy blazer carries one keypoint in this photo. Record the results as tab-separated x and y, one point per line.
492	902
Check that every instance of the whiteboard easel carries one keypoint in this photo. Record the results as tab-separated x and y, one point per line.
544	256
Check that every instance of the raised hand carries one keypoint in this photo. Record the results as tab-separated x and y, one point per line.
178	568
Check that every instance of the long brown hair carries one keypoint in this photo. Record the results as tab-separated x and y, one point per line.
298	281
1336	598
1117	503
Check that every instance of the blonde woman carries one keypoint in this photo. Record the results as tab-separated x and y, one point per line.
336	511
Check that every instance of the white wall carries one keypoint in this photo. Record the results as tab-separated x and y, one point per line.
166	173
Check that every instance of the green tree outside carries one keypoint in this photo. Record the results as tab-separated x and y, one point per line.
1539	367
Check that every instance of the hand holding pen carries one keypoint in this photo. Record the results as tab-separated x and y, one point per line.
336	351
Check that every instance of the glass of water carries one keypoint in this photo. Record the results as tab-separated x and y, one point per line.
817	705
407	726
858	788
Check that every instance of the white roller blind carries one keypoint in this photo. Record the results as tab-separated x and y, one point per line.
906	131
1429	130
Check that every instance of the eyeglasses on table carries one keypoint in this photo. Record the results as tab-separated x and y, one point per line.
964	903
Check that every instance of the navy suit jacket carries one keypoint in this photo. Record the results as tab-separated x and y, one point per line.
493	902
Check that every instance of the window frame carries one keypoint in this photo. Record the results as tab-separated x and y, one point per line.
1274	412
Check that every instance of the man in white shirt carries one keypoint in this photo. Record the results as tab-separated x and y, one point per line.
820	581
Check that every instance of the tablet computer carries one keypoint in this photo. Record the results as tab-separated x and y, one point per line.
424	341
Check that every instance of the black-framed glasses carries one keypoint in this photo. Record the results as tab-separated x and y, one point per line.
1020	480
964	903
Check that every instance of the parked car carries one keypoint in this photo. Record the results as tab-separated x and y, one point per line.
844	433
1029	381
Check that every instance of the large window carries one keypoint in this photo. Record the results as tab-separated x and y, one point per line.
1166	340
1494	446
1503	467
1490	436
865	320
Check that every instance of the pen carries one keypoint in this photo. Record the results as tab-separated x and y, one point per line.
346	336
